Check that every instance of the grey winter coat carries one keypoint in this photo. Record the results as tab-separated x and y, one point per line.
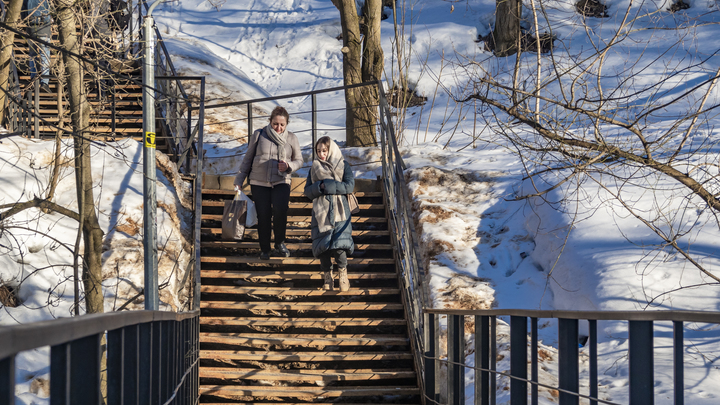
261	159
340	237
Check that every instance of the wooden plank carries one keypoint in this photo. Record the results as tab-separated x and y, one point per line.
300	322
291	275
303	356
305	218
303	375
290	260
294	205
302	306
290	292
298	232
304	340
358	194
224	244
304	392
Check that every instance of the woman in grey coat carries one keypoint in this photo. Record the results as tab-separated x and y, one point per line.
273	154
328	183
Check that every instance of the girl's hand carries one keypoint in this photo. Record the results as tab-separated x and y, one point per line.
322	186
283	166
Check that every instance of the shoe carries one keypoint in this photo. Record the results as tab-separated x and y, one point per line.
281	250
344	282
329	282
265	256
45	88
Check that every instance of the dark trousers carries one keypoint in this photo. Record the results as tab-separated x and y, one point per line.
340	259
271	204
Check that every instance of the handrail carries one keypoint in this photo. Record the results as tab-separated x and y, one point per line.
650	315
53	332
411	272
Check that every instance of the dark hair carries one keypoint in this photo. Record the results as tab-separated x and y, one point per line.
325	140
281	112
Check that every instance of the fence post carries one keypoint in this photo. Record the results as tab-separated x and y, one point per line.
145	375
592	341
313	98
640	353
678	371
568	360
250	121
518	360
430	355
7	380
534	360
456	354
482	359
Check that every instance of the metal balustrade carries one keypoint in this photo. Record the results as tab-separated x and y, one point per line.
152	357
640	354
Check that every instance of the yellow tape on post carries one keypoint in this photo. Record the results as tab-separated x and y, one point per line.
150	140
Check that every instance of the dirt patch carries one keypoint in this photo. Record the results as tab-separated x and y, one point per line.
214	125
129	228
466	292
405	98
8	297
544	355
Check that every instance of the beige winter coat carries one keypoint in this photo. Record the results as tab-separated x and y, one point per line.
261	160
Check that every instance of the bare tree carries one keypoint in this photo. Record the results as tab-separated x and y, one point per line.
362	62
506	35
581	120
12	17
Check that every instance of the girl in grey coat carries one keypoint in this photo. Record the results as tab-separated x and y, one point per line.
273	154
328	182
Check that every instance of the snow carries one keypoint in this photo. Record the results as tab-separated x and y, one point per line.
576	248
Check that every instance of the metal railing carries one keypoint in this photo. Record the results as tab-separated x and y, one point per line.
640	354
152	357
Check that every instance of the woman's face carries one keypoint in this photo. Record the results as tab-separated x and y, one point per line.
278	124
322	152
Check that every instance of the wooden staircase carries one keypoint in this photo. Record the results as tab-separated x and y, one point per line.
115	103
270	334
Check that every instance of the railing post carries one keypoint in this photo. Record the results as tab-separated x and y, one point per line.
592	340
164	361
493	359
456	357
568	360
314	124
430	355
482	359
7	380
518	360
250	121
156	390
75	371
36	104
640	353
678	370
534	360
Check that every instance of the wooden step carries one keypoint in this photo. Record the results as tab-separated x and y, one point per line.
305	392
295	292
227	373
224	244
291	275
358	194
296	205
310	261
302	356
354	219
302	306
300	322
302	339
252	233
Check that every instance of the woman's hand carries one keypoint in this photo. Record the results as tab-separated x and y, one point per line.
283	166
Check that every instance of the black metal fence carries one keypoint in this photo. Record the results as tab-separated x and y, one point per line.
152	357
640	354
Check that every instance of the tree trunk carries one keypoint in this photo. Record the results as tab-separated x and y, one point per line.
372	70
359	122
79	115
12	15
507	26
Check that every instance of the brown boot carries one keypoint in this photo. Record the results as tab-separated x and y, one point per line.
329	282
344	283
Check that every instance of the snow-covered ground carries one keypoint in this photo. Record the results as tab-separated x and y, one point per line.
483	248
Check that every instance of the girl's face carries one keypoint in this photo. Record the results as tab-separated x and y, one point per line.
278	124
322	152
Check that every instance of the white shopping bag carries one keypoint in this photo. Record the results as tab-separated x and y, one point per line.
251	219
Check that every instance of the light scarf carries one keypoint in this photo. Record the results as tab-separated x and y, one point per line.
279	140
333	167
